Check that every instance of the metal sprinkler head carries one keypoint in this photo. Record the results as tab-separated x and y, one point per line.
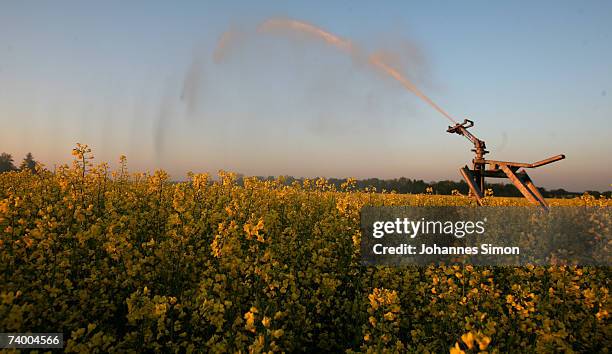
475	177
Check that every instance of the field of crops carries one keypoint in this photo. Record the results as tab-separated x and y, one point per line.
120	261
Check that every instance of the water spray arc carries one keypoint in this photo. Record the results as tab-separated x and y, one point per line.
409	85
299	26
374	60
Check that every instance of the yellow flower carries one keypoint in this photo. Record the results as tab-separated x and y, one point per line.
250	321
253	230
468	339
372	320
266	321
389	316
456	349
277	333
483	341
160	309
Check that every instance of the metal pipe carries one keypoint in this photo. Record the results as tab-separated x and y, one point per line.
547	161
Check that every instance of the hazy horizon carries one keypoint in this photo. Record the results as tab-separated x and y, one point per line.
142	79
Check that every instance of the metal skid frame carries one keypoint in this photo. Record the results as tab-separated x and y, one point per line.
475	177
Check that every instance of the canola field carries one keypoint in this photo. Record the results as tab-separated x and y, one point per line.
130	262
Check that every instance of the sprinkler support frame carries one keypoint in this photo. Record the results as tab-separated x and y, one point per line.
475	177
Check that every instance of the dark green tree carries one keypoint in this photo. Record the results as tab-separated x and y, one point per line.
6	163
28	163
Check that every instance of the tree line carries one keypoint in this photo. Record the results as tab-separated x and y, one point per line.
7	164
398	185
413	186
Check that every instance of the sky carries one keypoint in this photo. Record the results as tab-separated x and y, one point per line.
140	78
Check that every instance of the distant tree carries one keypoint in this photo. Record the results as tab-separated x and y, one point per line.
28	163
6	163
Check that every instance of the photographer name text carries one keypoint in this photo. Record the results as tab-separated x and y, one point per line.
425	249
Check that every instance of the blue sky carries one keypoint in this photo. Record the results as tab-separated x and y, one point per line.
536	77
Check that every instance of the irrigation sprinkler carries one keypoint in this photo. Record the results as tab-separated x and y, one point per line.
475	177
